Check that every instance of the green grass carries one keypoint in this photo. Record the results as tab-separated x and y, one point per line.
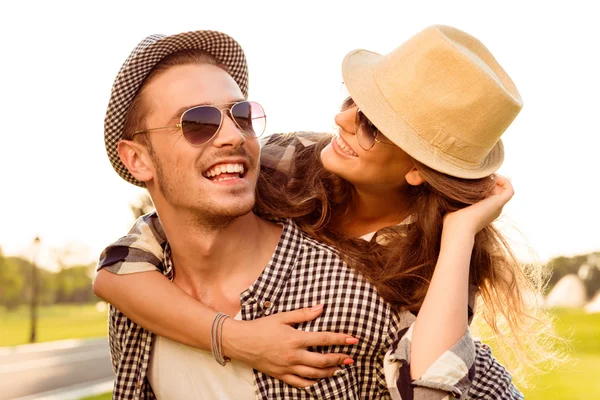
577	378
574	380
104	396
54	323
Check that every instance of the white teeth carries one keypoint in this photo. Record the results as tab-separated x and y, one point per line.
224	178
344	147
224	169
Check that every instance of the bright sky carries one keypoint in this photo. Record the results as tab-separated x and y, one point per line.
59	60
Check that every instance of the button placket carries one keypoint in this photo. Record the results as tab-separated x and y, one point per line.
266	305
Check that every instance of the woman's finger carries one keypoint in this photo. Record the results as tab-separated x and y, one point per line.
323	360
313	339
314	373
296	381
504	189
300	315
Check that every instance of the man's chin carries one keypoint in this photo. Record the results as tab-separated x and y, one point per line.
223	214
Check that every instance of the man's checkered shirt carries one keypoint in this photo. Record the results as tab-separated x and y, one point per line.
301	273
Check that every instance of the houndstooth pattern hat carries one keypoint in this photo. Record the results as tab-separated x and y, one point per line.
140	62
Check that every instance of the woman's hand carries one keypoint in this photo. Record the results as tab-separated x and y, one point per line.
272	346
474	218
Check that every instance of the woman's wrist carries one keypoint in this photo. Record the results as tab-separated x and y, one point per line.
454	229
231	338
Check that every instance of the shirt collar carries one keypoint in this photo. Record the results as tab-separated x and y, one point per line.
269	284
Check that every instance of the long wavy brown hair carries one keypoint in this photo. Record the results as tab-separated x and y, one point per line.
399	261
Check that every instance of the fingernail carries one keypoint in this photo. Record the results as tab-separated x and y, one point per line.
348	361
317	308
351	340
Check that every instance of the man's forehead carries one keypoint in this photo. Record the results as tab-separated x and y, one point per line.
186	86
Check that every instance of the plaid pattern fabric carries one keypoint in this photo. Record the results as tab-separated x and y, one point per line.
140	62
490	379
468	370
301	273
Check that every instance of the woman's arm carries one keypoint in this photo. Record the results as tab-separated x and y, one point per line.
267	344
443	319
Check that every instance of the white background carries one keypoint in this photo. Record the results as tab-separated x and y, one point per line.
58	61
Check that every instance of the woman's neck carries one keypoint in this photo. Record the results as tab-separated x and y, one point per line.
372	211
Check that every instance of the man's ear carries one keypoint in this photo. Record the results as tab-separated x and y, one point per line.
413	177
137	160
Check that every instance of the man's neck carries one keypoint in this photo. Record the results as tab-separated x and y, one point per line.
215	265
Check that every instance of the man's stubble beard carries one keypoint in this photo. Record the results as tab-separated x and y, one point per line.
204	214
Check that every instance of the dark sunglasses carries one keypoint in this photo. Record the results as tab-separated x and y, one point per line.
201	123
366	132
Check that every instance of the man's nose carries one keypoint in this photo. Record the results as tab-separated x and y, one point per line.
229	134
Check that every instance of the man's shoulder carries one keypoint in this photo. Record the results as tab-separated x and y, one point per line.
320	255
320	259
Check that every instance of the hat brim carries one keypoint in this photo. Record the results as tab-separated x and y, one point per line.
143	58
358	74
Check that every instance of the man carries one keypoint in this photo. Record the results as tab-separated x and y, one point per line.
178	124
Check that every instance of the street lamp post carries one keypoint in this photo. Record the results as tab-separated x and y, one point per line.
34	290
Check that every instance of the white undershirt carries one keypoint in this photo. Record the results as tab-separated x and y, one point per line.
178	372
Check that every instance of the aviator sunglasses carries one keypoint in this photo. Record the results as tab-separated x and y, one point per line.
366	132
200	124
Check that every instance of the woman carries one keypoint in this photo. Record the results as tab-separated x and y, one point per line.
405	191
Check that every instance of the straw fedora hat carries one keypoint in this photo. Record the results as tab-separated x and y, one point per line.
140	62
441	97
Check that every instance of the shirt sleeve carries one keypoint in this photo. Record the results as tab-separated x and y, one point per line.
116	328
278	150
467	370
141	250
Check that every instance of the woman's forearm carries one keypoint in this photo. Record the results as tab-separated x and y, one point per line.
155	303
269	344
443	317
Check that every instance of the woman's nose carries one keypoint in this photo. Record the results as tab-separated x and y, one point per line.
346	120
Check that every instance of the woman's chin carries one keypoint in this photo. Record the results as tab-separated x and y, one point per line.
329	159
334	164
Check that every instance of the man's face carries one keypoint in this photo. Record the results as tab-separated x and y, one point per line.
181	170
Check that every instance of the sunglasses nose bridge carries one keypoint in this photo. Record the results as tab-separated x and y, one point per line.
227	114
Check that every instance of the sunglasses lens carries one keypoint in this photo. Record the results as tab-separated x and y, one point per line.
366	132
250	117
347	104
199	124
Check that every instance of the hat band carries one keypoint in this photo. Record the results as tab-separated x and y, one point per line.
456	147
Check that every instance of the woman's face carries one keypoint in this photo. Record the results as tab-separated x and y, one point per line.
381	168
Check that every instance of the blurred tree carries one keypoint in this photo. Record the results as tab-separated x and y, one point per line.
11	283
143	206
74	284
46	282
562	266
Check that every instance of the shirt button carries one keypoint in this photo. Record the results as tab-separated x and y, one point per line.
267	304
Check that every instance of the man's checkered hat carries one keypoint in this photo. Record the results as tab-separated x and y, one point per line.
143	58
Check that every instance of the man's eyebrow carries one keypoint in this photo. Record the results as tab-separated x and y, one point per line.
183	109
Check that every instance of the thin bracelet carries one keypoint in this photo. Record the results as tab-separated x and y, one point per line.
216	338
